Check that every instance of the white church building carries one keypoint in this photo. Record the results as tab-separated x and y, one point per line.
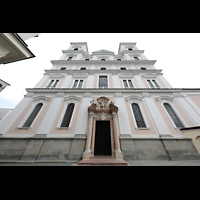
101	106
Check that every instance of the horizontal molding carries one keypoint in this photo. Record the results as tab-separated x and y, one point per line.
108	90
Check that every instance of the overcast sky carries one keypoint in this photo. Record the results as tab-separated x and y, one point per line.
177	54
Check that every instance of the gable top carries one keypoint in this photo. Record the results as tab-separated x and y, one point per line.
103	52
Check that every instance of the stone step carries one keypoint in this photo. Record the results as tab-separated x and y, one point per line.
102	157
102	162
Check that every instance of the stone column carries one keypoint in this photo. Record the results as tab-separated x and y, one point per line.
118	153
87	154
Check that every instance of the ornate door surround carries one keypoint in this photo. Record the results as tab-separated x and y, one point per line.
102	110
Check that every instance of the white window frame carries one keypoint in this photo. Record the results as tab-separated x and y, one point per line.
169	100
137	99
68	100
127	83
37	100
108	76
152	82
53	83
78	83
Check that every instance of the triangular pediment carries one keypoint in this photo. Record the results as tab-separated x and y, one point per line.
103	52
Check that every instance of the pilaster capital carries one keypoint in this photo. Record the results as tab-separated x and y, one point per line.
91	115
114	115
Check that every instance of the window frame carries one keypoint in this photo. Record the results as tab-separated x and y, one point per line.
37	100
169	100
68	100
127	82
34	117
53	82
78	83
176	113
138	100
65	114
155	85
99	81
141	116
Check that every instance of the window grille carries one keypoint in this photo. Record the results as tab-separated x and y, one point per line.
68	115
138	116
33	115
173	116
103	82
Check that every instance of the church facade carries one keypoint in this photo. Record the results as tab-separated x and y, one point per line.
101	104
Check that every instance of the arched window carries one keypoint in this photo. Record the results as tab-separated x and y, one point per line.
103	68
33	115
68	115
123	68
173	115
83	68
138	116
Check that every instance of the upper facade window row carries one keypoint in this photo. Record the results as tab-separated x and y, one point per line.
127	57
104	68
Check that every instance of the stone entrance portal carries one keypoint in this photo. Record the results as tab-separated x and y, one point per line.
102	115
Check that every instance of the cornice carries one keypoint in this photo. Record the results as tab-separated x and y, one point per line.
133	72
106	62
132	51
108	90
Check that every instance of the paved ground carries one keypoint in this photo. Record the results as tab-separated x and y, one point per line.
133	163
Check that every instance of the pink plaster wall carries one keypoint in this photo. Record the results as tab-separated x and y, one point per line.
36	124
73	122
151	131
167	118
195	99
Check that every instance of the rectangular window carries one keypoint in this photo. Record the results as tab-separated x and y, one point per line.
78	83
103	82
128	84
69	58
53	83
150	84
153	84
125	84
136	58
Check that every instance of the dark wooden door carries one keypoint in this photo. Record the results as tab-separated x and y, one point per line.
102	138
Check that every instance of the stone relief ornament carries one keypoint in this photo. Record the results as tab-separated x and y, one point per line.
102	116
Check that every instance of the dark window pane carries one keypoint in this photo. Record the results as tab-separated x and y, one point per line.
173	115
68	115
33	115
138	116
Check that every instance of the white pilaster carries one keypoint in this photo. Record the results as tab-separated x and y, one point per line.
124	126
165	82
188	109
90	81
81	126
49	117
115	79
156	116
139	81
66	82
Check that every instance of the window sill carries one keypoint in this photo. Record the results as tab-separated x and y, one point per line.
145	128
63	128
23	128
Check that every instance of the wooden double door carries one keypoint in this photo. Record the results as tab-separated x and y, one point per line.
102	138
